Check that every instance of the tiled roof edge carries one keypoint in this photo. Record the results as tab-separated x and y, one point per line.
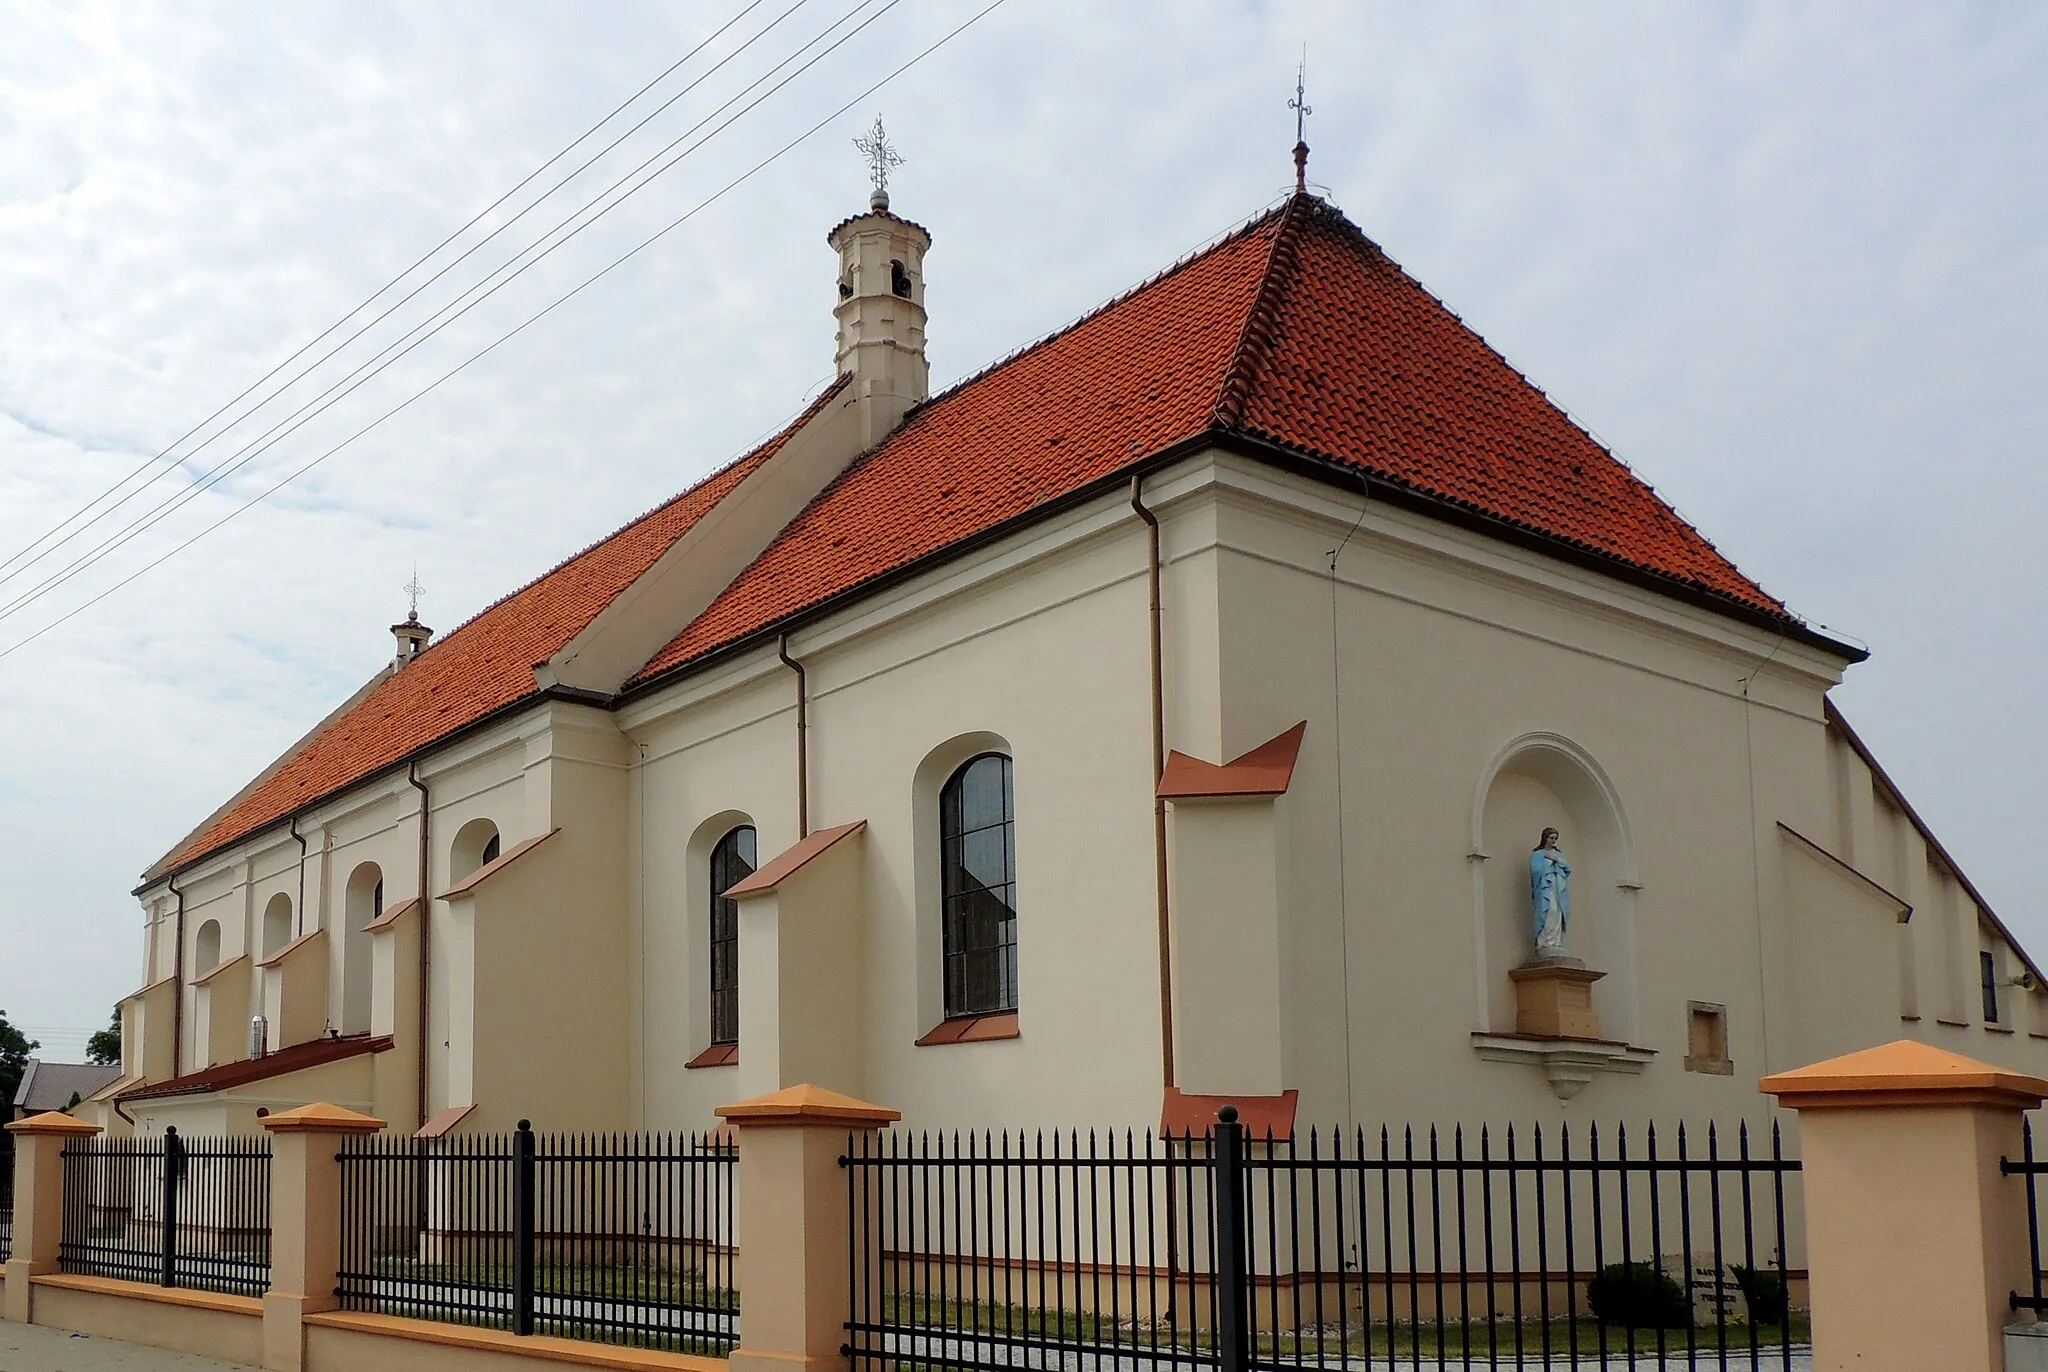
1336	219
1546	541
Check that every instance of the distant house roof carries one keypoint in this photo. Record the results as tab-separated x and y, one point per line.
51	1085
1295	338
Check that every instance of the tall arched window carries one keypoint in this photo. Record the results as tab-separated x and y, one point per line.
978	843
732	861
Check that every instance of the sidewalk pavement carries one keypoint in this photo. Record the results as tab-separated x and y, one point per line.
39	1348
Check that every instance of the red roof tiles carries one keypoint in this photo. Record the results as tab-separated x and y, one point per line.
1295	331
482	666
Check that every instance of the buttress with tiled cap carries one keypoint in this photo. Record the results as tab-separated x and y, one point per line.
1294	336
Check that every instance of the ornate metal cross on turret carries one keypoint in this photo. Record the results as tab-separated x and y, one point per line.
881	157
1299	104
414	590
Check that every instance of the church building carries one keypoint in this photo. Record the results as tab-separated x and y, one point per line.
1255	691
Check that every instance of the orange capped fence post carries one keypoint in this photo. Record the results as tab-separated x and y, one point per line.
1916	1240
305	1223
38	1201
795	1261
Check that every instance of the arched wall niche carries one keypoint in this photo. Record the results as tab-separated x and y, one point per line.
476	843
362	902
277	923
931	776
1544	780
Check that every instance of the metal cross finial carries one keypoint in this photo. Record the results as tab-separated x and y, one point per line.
415	590
1299	104
881	157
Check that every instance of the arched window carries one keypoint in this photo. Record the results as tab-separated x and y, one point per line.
277	923
476	843
732	861
363	901
206	948
978	845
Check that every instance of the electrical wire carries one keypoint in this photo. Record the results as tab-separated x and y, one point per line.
169	449
441	318
561	300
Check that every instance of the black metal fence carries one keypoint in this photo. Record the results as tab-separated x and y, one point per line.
2029	1167
1526	1248
617	1238
169	1210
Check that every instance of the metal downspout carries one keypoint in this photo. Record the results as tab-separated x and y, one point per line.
803	738
1158	801
426	911
299	910
178	972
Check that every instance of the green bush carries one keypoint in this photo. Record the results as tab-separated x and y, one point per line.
1637	1295
1765	1293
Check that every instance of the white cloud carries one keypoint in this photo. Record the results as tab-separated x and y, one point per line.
1787	260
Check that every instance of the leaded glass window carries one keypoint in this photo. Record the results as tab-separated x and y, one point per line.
732	862
978	839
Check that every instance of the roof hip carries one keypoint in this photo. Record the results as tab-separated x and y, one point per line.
1262	321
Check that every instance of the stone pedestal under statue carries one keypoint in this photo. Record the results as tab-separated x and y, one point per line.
1554	999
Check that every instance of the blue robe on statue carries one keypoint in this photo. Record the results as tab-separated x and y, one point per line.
1550	891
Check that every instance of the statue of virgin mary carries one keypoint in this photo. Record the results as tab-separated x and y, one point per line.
1550	895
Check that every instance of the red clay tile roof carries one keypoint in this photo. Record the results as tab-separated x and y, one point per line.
296	1058
1295	330
480	667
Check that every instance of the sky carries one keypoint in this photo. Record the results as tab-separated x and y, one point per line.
1789	261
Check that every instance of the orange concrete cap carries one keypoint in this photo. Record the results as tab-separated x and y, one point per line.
54	1122
1903	1073
806	1104
321	1118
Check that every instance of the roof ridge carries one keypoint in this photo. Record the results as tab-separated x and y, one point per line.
1181	264
1262	320
810	407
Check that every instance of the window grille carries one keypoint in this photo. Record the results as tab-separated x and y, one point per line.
732	862
1987	972
977	830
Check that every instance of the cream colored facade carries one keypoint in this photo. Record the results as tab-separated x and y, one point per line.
1350	939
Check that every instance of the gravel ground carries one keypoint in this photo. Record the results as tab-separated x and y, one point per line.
39	1348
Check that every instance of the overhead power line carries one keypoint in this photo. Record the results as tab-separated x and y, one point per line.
420	332
518	329
168	455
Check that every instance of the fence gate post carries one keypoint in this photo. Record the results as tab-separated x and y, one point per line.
795	1227
305	1223
167	1209
522	1228
1233	1307
38	1202
1916	1241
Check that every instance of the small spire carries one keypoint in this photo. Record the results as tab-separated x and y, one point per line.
412	635
875	146
1299	104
